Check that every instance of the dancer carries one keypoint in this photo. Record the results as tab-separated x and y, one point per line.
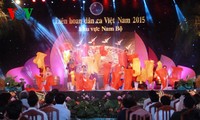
48	79
71	75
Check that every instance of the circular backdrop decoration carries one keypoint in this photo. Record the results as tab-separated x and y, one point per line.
96	8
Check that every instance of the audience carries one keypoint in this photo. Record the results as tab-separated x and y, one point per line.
197	100
13	110
188	103
34	105
193	114
23	97
49	100
64	113
148	100
180	104
4	99
127	102
165	100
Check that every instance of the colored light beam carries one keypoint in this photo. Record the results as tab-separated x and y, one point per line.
40	30
60	29
82	27
148	15
114	6
181	17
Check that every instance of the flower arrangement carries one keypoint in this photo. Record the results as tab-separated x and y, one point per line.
11	85
185	84
90	107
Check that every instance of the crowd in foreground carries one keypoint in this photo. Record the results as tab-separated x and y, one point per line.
184	106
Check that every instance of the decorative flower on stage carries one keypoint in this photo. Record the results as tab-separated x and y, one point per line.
88	106
68	98
108	94
119	98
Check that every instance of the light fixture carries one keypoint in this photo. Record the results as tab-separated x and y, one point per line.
17	1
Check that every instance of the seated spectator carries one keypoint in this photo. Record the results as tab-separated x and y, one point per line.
175	100
193	114
49	100
4	99
23	97
127	102
154	105
64	113
165	110
13	110
55	91
180	104
34	105
148	100
154	99
188	103
197	100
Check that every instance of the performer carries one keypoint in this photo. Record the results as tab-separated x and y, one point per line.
40	80
175	75
122	76
162	76
39	61
84	81
71	75
48	78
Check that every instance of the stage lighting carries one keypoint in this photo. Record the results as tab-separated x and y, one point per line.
17	2
43	0
33	0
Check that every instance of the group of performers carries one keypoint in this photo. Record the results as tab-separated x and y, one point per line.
86	66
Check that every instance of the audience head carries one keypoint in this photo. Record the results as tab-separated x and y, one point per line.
189	102
165	100
60	98
30	93
193	114
49	98
5	98
23	95
196	98
33	100
128	101
152	93
55	92
177	95
153	96
14	109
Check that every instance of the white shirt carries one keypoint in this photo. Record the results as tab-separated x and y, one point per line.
160	115
172	104
25	102
146	101
64	113
147	108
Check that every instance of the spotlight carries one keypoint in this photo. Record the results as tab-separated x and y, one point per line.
43	0
17	1
33	0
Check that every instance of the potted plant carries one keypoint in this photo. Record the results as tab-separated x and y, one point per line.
185	84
